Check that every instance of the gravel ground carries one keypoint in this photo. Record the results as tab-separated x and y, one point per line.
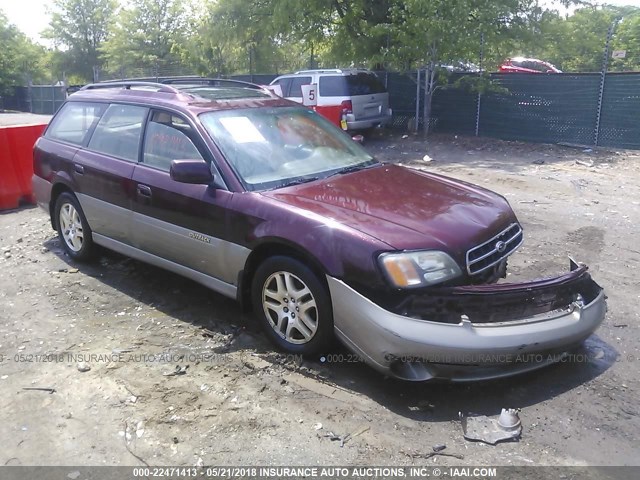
240	402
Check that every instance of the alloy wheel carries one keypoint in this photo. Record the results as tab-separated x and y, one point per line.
71	226
290	307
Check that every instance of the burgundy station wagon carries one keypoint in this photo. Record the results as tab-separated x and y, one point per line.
265	201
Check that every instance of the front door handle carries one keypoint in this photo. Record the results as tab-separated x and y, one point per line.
79	169
144	190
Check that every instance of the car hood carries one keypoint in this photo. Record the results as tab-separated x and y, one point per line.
405	208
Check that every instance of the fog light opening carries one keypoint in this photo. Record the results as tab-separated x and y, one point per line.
412	370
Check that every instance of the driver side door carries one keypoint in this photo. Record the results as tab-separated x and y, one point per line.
181	223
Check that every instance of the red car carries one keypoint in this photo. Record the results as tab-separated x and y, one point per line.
527	65
267	202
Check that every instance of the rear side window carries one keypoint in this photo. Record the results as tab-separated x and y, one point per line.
364	84
167	139
118	132
296	86
350	85
334	86
74	121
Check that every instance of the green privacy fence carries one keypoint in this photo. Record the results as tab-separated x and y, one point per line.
547	108
559	108
47	99
620	119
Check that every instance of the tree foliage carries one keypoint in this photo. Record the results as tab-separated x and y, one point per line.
146	32
275	36
236	36
576	43
20	59
78	28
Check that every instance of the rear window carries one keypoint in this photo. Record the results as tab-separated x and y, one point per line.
74	121
118	132
350	85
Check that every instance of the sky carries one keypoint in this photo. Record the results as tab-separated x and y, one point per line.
31	16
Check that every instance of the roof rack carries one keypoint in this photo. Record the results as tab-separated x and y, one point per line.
320	70
332	70
128	84
166	84
208	82
189	80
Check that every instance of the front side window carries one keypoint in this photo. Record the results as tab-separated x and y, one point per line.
168	139
284	85
118	132
275	147
74	121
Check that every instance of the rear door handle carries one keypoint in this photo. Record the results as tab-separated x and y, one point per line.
144	190
79	169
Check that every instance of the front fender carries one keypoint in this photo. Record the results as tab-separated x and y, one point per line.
339	250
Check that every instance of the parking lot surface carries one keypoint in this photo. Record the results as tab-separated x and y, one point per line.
177	375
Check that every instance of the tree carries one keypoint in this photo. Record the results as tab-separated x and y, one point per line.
576	43
627	38
20	59
146	33
442	31
80	27
239	36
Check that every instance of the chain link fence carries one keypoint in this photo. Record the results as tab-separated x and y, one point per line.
552	108
584	109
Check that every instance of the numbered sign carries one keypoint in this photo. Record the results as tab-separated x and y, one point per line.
310	95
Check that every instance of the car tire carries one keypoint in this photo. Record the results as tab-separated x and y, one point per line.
73	228
293	306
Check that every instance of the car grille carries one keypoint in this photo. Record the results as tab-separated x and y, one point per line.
493	251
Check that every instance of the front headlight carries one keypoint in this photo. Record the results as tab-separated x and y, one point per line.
418	269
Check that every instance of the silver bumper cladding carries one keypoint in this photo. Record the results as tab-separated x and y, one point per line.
417	349
42	191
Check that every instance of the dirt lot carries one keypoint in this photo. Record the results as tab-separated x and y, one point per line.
242	403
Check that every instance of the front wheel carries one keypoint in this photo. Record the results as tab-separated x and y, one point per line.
73	228
293	306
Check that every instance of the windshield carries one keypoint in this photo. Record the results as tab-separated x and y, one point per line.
275	147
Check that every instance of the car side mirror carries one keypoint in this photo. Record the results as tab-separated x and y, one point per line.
191	171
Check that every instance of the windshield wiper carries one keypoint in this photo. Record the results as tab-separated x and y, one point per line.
298	181
354	168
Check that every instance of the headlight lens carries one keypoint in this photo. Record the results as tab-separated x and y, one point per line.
419	269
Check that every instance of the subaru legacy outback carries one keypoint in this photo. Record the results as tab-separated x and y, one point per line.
267	202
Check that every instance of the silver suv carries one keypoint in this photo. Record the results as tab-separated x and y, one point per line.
353	99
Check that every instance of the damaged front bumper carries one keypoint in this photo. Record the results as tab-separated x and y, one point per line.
499	330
